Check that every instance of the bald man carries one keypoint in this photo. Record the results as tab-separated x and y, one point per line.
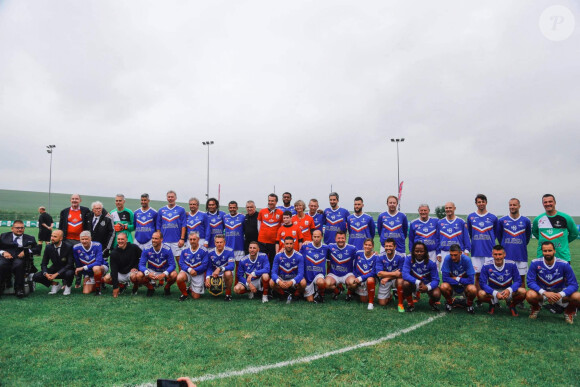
452	230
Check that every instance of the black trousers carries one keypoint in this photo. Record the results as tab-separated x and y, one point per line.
66	277
269	249
14	266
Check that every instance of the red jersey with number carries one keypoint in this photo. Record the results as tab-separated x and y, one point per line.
75	224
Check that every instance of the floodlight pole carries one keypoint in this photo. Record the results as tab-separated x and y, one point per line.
50	149
207	143
397	141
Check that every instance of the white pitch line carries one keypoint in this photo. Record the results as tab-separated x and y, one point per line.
308	359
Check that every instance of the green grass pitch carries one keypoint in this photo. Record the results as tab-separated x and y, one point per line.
83	340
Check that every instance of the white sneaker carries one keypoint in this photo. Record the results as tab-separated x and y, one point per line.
250	295
66	291
55	288
264	298
370	307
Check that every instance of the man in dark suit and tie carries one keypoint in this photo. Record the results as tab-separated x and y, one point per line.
60	255
14	253
102	229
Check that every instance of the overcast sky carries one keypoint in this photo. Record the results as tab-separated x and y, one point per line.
299	95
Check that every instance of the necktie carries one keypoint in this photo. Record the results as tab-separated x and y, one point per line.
95	220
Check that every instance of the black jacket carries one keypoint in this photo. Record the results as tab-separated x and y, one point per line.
63	222
104	233
60	262
123	260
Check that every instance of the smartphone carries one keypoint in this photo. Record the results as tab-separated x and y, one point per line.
170	383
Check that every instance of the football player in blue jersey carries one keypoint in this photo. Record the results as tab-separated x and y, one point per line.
253	273
288	272
364	272
458	277
420	275
552	279
501	280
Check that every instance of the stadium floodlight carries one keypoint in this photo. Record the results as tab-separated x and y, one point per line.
397	141
50	149
207	143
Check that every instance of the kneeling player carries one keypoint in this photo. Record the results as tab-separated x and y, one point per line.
89	262
124	266
193	264
501	280
288	272
458	277
315	255
157	265
420	275
364	273
253	273
221	264
389	269
552	279
341	257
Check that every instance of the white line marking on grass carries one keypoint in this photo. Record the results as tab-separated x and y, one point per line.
308	359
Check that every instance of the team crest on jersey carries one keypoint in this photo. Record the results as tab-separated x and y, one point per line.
277	216
293	233
103	223
481	224
358	224
391	223
306	222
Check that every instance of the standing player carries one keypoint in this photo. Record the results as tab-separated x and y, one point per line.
269	220
216	220
286	206
253	273
514	233
334	219
197	221
89	262
171	224
315	255
288	229
303	221
424	229
123	219
501	280
234	224
483	230
552	279
451	230
556	227
157	265
341	257
360	225
393	224
458	275
288	272
145	223
124	266
420	275
364	273
389	269
315	214
221	263
193	264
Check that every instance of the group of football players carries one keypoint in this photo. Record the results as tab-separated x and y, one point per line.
309	253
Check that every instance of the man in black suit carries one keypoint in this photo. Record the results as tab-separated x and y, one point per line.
60	255
102	230
15	253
